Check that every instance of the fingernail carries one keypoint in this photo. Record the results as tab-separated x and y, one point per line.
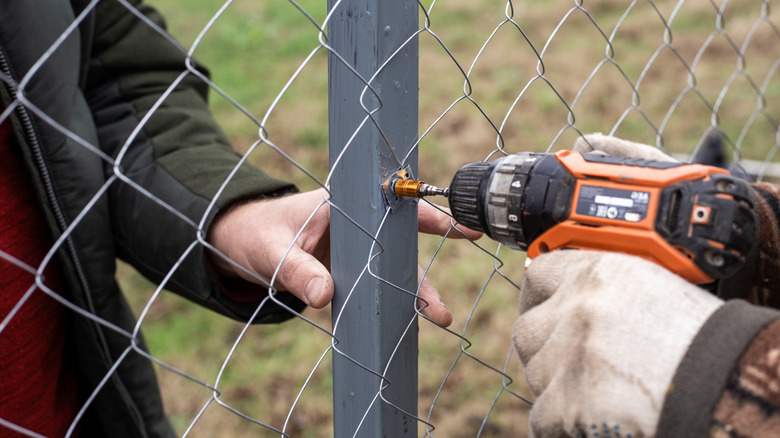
313	290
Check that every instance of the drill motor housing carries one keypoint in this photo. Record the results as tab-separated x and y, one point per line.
697	221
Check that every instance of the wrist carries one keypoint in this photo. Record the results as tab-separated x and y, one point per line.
703	371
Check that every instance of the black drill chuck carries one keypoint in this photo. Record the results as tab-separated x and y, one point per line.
512	199
467	193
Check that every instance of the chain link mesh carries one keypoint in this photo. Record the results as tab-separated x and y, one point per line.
496	77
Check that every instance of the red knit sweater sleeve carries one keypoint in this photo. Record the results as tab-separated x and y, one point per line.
38	389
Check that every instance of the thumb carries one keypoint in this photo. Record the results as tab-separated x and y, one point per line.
305	277
609	145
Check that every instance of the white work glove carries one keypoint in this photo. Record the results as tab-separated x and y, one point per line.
609	145
601	335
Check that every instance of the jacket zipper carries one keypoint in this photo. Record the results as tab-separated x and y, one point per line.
59	217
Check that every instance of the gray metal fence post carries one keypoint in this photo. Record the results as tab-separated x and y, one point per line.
374	315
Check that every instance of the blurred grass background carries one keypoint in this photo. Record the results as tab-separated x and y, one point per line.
255	47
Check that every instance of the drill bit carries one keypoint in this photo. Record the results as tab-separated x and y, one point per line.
429	190
417	189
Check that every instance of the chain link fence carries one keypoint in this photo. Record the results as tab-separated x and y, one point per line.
494	77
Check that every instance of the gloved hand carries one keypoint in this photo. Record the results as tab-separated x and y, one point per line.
601	335
609	145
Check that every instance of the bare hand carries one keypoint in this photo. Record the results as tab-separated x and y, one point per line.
257	236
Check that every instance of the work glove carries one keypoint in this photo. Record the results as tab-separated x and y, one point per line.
600	335
609	145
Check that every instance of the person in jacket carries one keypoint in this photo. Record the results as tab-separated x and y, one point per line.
616	346
95	166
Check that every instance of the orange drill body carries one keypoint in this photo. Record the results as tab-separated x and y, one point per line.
695	220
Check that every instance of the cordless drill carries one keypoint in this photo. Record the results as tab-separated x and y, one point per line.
697	221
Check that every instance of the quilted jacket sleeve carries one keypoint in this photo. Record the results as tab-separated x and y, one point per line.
172	158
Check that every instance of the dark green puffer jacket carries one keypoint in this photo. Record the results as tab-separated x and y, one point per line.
74	111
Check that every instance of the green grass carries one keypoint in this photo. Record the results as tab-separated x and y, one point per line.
255	47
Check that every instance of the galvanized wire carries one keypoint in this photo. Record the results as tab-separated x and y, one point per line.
497	77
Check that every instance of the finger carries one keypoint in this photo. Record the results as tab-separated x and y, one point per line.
545	417
430	220
547	272
305	277
430	303
541	279
530	334
609	145
547	339
540	308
